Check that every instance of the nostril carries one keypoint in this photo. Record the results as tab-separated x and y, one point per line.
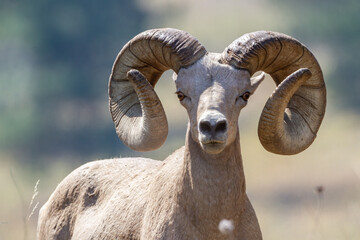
213	127
205	126
221	126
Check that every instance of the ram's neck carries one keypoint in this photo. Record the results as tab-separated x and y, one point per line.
212	186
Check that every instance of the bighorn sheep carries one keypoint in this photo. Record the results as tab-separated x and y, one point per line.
190	192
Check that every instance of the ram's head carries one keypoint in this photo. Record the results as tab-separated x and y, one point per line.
215	87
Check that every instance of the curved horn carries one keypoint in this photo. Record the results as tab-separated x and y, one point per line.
294	112
139	117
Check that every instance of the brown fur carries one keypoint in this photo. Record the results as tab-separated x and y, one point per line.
194	189
183	197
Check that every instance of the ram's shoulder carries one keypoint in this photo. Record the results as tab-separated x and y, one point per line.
89	186
102	175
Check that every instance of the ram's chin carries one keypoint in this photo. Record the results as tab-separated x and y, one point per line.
213	147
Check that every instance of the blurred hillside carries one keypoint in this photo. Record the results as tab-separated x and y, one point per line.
56	59
54	66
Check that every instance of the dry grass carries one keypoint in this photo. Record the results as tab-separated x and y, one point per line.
22	196
284	190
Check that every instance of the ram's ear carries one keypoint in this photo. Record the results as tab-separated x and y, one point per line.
174	76
255	81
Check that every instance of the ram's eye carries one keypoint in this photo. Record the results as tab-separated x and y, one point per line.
245	96
180	95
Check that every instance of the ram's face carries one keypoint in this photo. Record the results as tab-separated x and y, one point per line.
213	95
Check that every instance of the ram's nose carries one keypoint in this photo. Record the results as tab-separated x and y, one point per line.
213	127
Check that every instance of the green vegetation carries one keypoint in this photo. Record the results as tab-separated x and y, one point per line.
56	59
54	66
332	26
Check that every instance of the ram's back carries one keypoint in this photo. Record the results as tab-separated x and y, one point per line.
99	200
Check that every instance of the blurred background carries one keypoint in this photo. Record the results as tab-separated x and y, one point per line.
55	59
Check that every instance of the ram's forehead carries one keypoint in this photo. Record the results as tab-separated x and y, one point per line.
208	71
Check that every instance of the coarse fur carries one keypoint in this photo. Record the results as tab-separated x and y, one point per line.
183	197
199	191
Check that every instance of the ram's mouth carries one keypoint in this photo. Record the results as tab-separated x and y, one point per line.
213	142
213	146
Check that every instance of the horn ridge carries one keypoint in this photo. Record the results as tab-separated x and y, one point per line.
136	110
294	128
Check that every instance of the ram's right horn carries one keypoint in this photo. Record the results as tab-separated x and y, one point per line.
144	59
